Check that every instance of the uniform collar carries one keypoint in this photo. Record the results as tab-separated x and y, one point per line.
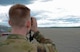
16	36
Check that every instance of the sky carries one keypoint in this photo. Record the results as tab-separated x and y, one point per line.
49	13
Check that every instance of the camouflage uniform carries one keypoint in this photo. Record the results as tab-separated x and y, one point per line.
18	43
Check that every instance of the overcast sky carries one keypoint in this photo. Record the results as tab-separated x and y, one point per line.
49	13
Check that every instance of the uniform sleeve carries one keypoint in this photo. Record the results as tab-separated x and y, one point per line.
46	45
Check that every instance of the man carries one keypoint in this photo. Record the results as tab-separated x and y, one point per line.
20	22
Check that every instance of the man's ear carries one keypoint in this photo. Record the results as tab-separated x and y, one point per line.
28	24
9	22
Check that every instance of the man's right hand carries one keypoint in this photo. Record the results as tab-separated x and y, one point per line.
34	27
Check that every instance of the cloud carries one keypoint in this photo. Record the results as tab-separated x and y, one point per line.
70	19
45	0
66	21
4	9
58	9
4	19
39	14
0	21
51	12
10	2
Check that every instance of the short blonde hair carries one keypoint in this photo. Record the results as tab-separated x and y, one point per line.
18	14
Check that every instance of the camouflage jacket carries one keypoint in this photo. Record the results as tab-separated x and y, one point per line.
18	43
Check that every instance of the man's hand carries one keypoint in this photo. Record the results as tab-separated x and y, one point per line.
34	27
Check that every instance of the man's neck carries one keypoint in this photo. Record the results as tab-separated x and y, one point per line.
20	31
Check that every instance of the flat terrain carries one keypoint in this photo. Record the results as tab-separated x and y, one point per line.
66	39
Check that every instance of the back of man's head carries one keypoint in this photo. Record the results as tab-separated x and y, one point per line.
18	14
